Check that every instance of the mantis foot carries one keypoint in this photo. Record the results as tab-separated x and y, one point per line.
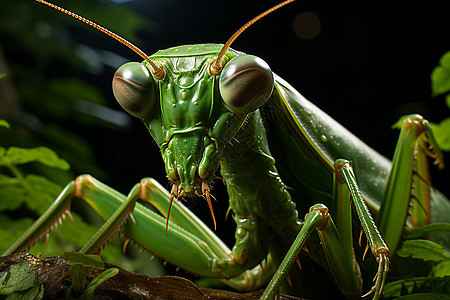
382	257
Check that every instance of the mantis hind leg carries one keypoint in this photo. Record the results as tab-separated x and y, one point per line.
318	218
409	180
336	240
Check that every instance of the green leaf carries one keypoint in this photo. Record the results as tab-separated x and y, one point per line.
424	230
445	60
425	296
5	180
440	76
4	288
442	269
441	133
34	293
41	192
102	277
18	279
11	230
3	123
440	285
43	155
36	191
86	260
78	262
423	249
11	196
399	123
78	278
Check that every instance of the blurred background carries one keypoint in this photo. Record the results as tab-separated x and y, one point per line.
364	66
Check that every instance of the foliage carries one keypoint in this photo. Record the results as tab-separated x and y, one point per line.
45	106
20	191
20	283
5	124
440	85
78	262
25	195
434	286
33	193
52	108
437	284
425	250
419	288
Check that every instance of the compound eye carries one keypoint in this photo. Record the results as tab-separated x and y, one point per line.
134	89
245	84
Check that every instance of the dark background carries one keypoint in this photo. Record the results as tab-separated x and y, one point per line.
366	67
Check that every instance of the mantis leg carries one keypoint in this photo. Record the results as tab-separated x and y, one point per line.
190	244
379	249
185	219
337	241
408	180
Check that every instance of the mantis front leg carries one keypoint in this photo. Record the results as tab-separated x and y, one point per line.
190	244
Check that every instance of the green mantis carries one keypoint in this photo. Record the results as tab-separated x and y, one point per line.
199	122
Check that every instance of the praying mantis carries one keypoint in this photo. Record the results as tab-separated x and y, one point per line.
190	183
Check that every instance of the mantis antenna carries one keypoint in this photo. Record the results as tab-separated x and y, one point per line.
217	65
158	72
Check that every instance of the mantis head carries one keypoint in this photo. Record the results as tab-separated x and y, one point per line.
193	100
192	113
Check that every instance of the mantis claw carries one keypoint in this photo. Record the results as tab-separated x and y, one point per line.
380	277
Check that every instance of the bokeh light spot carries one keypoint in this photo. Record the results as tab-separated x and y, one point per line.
307	25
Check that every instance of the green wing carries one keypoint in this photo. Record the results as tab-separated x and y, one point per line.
306	141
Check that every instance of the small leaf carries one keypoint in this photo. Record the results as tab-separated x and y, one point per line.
3	123
4	284
427	229
20	278
440	285
86	260
41	192
445	60
102	277
424	296
43	155
11	230
399	123
78	262
441	132
442	269
35	293
78	278
2	75
440	76
423	249
11	197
